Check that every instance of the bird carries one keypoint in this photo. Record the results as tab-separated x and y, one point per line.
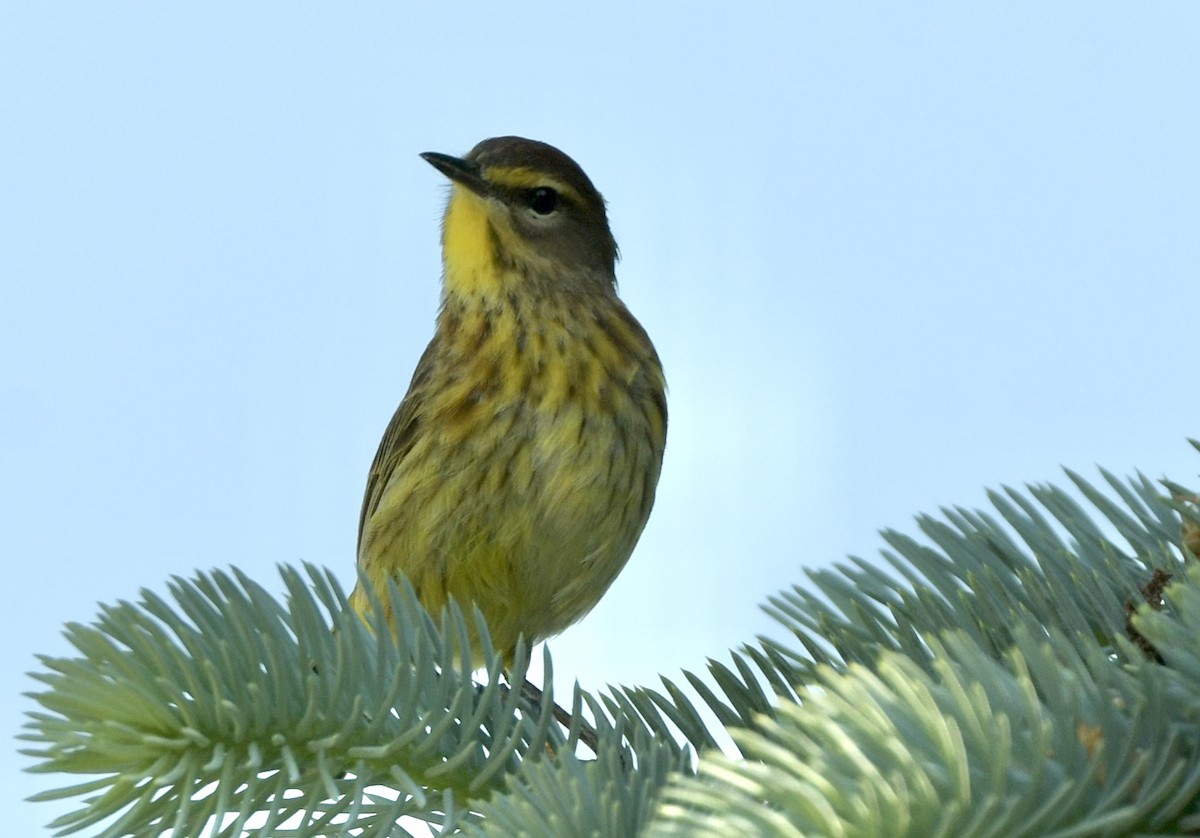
520	468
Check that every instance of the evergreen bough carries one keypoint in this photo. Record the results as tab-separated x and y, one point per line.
1032	670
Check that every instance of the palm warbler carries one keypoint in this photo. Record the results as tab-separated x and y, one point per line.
520	468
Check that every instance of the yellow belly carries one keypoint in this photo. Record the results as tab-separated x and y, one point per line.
524	495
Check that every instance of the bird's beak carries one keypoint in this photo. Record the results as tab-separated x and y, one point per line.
458	170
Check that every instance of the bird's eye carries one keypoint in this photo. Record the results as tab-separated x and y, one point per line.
542	200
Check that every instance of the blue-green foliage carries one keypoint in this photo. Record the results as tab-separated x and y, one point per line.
979	681
289	709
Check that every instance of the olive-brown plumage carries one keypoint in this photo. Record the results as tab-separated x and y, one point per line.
520	468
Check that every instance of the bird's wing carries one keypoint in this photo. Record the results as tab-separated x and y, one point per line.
397	439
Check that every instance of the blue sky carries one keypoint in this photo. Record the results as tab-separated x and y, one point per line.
890	256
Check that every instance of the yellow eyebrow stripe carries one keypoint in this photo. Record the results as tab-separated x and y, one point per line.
523	178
